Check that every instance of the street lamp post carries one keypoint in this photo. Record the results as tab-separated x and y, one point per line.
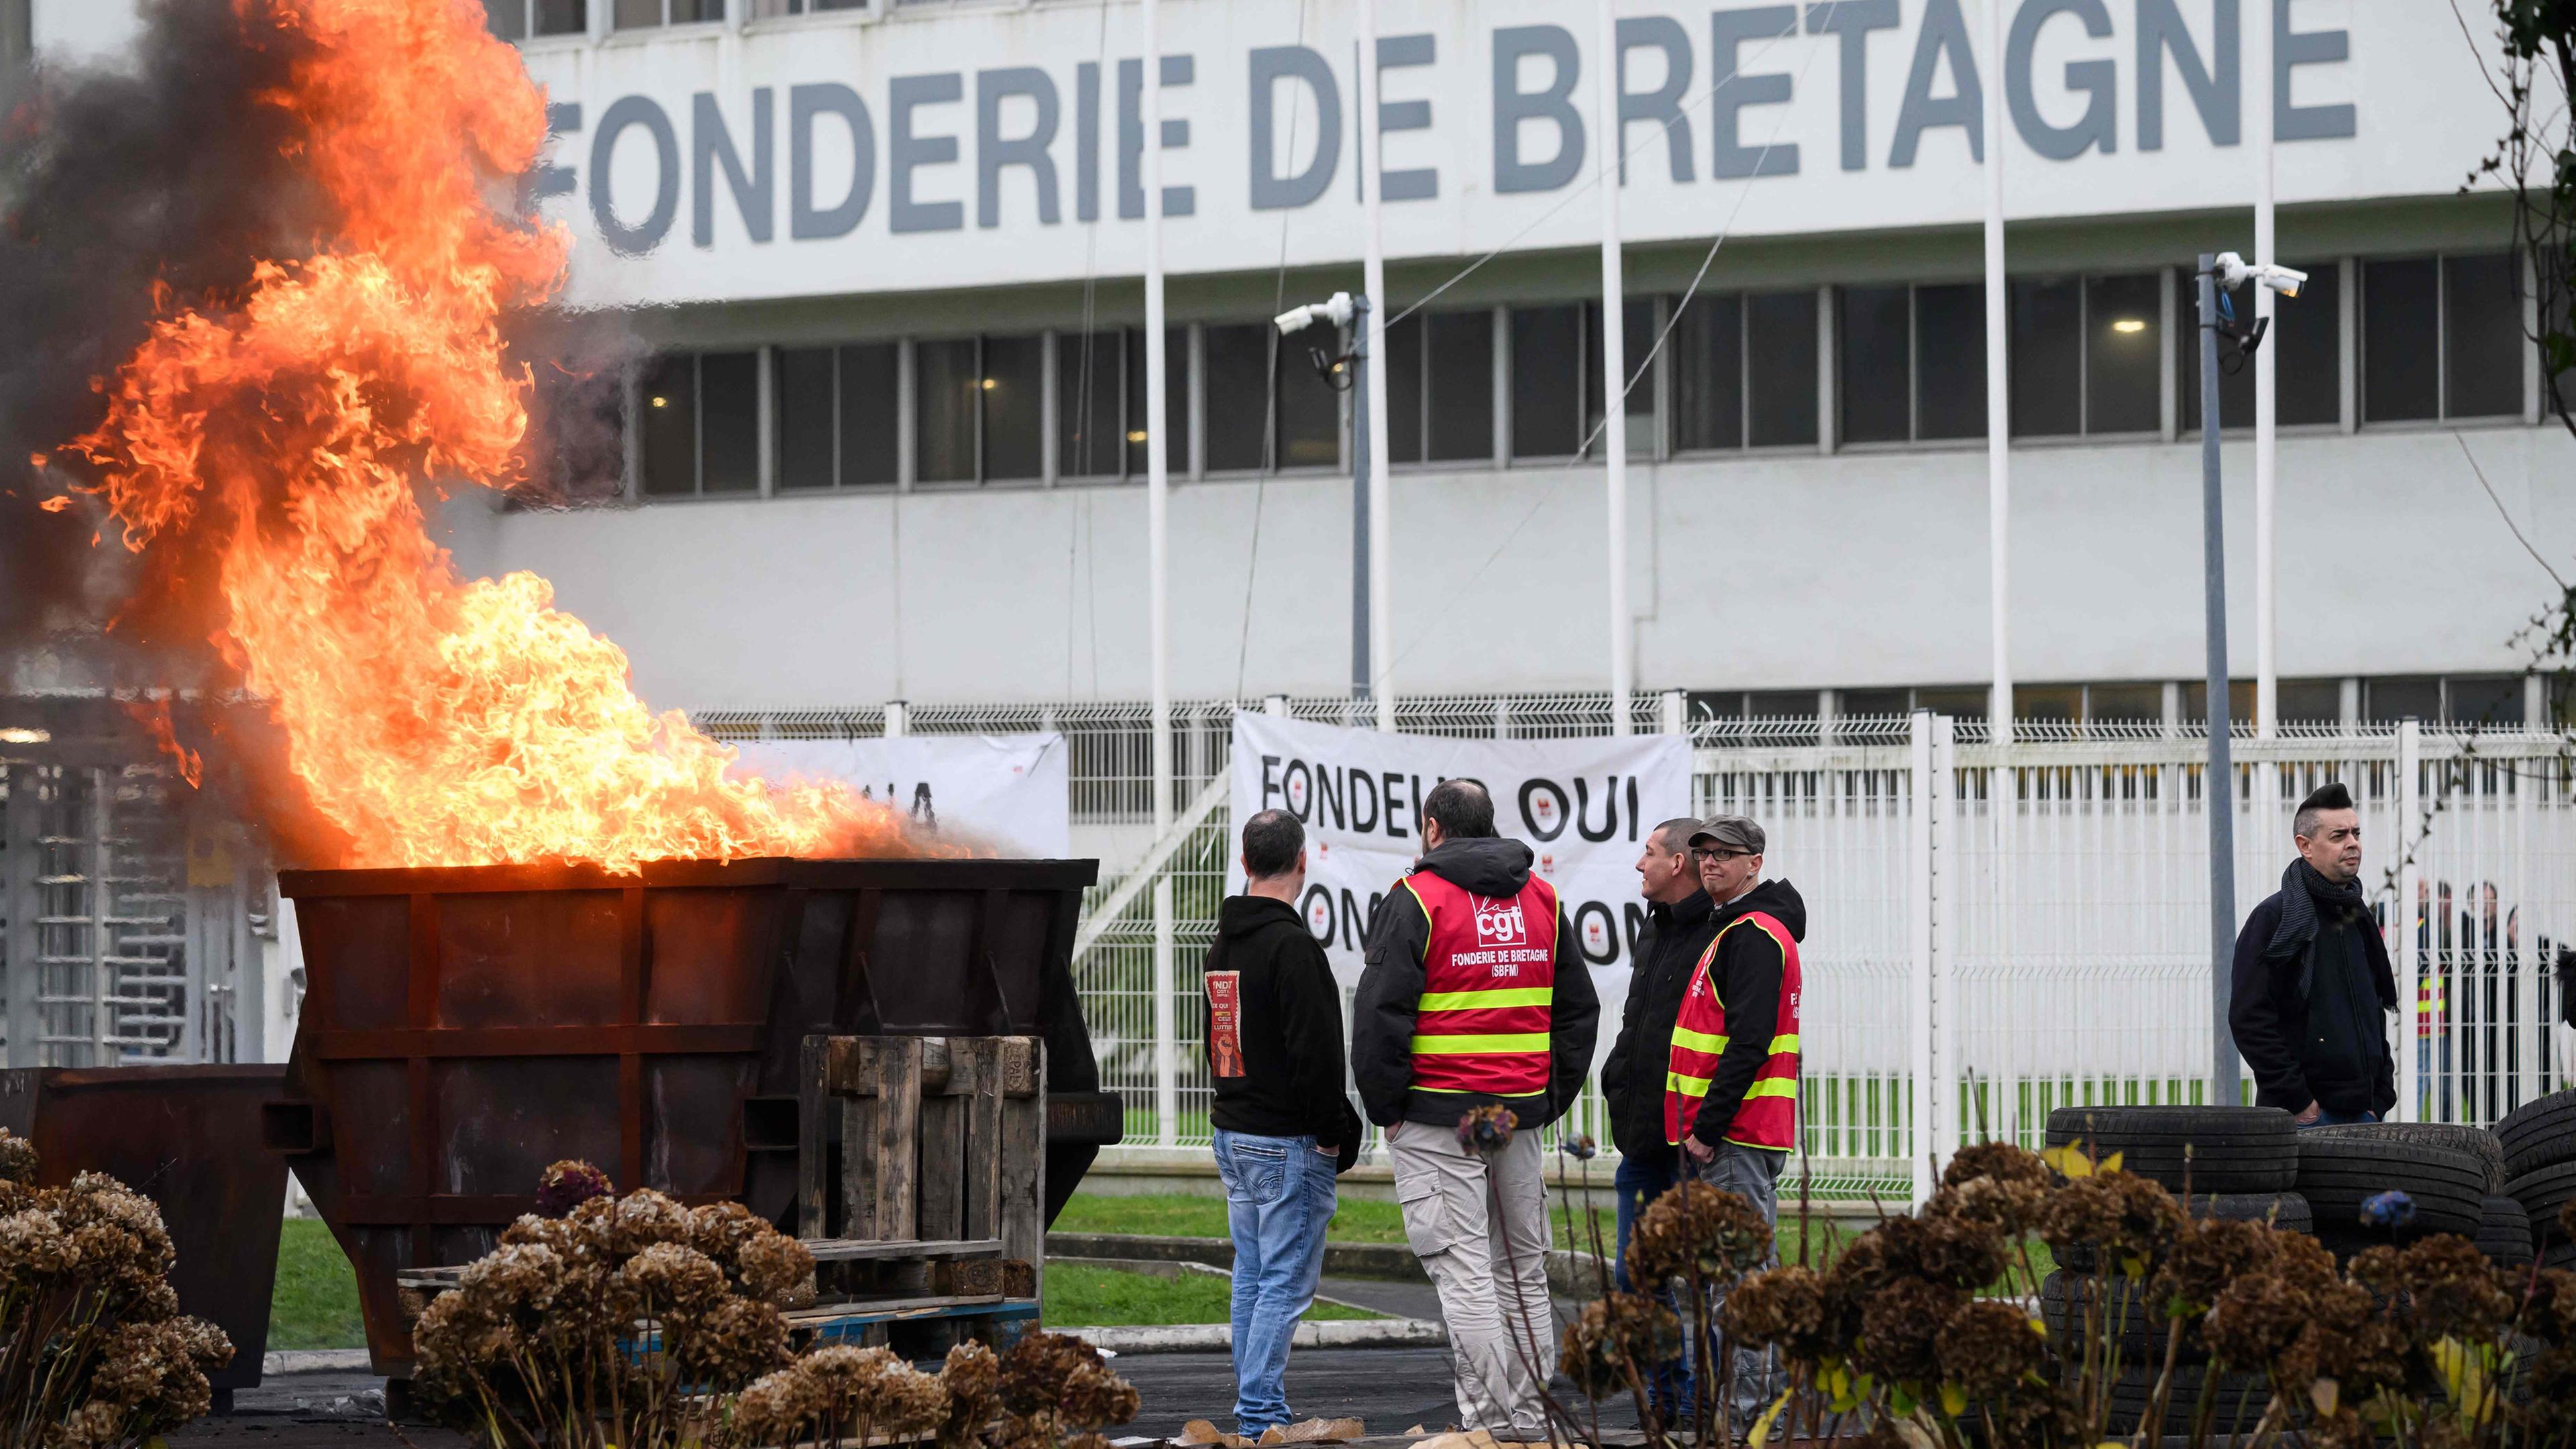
2219	274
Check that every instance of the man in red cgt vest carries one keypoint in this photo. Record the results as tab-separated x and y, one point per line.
1731	1093
1475	993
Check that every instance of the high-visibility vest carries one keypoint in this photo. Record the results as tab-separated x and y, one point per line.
2432	1003
1769	1115
1488	985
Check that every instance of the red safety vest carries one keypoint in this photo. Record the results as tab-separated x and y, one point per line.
1769	1115
1488	982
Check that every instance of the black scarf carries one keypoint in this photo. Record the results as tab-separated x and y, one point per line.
2303	891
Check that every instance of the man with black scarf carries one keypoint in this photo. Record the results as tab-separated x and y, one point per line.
2313	988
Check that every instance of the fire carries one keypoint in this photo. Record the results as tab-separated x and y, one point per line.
284	435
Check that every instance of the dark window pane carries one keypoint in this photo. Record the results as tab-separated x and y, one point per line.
1960	701
1780	332
945	383
2109	702
2061	702
2195	702
805	396
2396	699
1636	340
2235	382
1310	408
1238	396
1873	336
871	406
1781	704
2047	357
685	11
1014	413
2491	701
1872	703
1950	361
1176	401
2309	699
2400	328
1547	395
670	395
2124	361
1717	704
1404	391
729	421
562	17
2307	340
1090	433
508	18
2482	336
1461	378
1708	374
637	14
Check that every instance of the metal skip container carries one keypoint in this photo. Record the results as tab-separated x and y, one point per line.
464	1027
187	1137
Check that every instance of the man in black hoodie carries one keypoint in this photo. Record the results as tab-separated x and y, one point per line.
1476	995
2311	986
1678	927
1284	1130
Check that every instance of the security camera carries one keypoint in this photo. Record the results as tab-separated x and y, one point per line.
1335	309
2234	271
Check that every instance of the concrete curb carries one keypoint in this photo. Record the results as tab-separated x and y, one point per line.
314	1361
1219	1337
1568	1273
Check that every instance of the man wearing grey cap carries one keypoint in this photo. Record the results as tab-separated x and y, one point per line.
1731	1100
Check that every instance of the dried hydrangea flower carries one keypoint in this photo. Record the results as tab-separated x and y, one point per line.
1487	1129
972	1378
1792	1309
567	1185
2009	1207
2001	1162
1900	1329
17	1158
1697	1227
2207	1255
1617	1337
1990	1347
1960	1252
2128	1219
771	1264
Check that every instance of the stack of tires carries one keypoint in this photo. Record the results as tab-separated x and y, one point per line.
2539	1144
2447	1173
2225	1162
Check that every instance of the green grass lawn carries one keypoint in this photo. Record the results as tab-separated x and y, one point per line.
316	1302
1175	1215
1079	1295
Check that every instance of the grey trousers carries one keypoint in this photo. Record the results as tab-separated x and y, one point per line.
1479	1225
1753	1174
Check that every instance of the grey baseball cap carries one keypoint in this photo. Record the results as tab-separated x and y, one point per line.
1734	831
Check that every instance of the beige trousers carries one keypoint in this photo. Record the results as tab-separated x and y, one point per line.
1479	1226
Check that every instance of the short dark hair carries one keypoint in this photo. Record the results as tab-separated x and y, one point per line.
1271	841
2332	795
1462	807
1675	833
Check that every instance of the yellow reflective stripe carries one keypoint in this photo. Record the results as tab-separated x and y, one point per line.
1459	1046
1772	1087
1500	996
1698	1041
1425	907
1687	1086
1781	1044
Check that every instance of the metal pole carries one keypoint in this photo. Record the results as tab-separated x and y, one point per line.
1362	604
1999	706
1614	378
2267	683
1372	381
1158	489
2218	785
1922	1100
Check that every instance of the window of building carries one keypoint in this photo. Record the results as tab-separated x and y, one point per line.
945	393
2309	701
2488	701
767	9
1091	404
2195	702
2124	703
1440	387
1014	398
871	413
1950	361
836	416
1276	410
1873	703
521	19
701	424
979	409
645	14
1176	401
1708	374
1780	371
2441	338
2047	356
2387	701
1547	381
1910	363
2306	342
1744	371
2061	703
1636	342
1309	401
2123	353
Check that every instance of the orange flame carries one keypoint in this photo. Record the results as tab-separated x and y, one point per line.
436	721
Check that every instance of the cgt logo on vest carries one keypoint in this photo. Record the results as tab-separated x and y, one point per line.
1500	923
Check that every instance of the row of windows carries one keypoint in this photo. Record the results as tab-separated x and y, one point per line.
2493	701
520	19
2109	355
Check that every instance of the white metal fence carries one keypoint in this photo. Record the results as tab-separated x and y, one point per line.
1994	929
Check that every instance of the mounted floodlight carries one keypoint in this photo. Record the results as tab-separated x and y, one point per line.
2234	271
1336	309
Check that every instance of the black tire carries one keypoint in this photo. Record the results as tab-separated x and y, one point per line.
2338	1174
2542	1194
2202	1149
2539	1133
2476	1141
2142	1327
2286	1211
2504	1232
2237	1401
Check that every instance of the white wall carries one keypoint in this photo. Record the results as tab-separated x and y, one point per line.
74	31
1772	572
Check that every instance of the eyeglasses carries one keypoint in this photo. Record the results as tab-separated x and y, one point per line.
1712	853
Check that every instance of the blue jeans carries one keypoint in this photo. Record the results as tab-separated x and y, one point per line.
2339	1119
1639	1180
1278	1199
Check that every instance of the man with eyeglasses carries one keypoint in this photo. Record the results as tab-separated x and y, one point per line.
1731	1096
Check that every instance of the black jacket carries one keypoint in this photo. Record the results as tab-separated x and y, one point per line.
2336	1056
1286	1053
1632	1080
1749	969
1391	985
